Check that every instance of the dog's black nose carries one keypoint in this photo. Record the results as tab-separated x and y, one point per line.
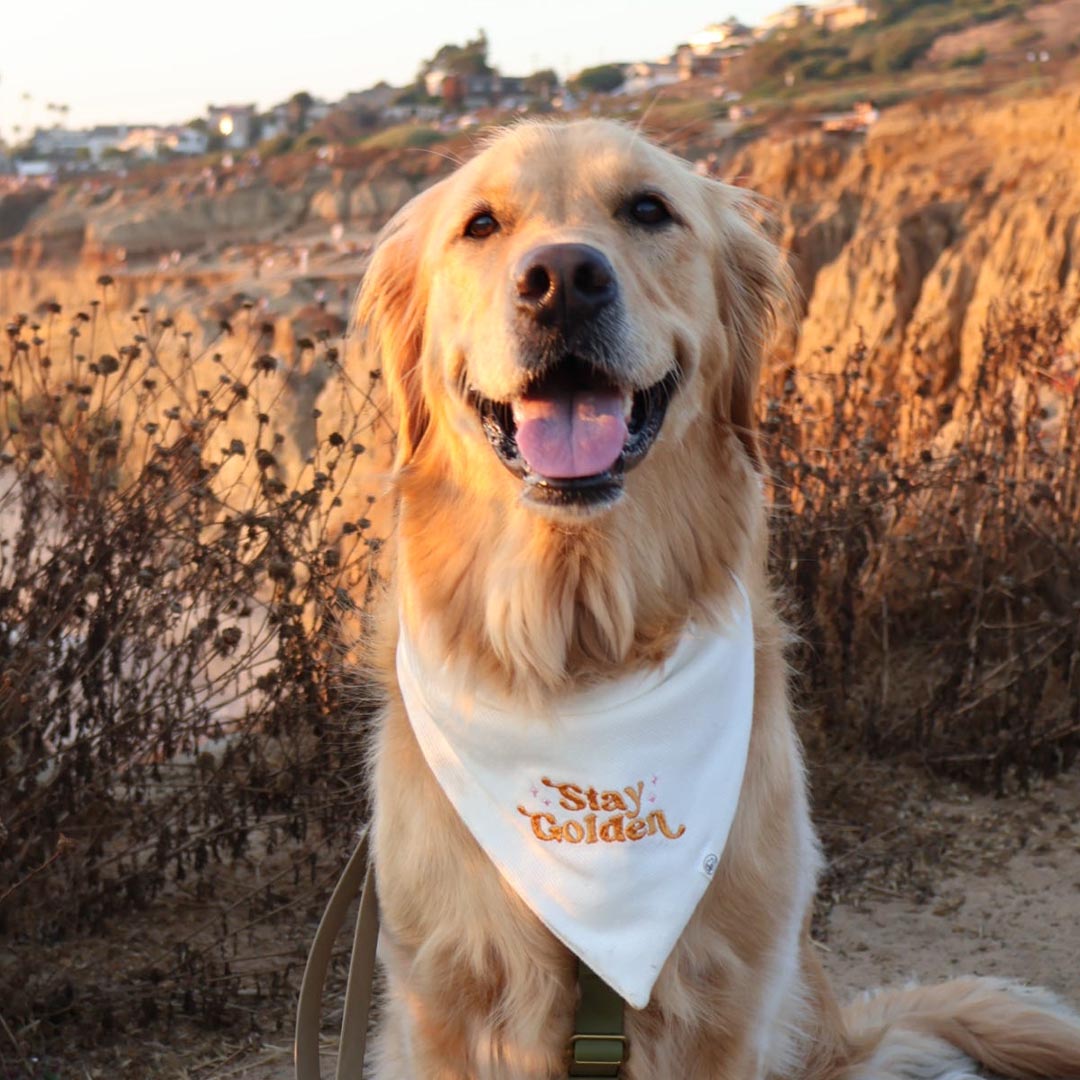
564	283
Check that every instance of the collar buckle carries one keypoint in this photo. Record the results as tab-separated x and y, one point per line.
597	1055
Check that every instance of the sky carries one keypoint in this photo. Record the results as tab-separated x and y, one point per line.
131	61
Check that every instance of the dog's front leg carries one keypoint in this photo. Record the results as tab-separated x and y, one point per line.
444	1033
477	988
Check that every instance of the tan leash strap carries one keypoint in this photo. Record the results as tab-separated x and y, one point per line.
358	990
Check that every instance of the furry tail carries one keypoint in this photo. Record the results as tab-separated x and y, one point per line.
944	1032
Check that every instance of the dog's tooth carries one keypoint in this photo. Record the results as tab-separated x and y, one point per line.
628	406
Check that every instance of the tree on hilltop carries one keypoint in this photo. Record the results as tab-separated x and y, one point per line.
602	79
298	106
468	59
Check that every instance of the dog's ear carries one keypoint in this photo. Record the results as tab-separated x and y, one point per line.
754	296
390	321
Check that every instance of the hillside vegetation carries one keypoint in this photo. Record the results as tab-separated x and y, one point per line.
882	57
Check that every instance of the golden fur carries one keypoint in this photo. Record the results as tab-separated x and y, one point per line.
541	601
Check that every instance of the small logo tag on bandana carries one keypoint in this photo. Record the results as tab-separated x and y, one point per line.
609	814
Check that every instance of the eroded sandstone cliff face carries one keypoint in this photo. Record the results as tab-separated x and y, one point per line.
908	239
202	209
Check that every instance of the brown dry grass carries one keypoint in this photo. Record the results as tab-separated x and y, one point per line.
176	766
936	576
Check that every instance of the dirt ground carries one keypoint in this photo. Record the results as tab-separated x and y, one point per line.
1007	903
959	884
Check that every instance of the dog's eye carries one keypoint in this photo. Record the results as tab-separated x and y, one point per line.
480	226
648	209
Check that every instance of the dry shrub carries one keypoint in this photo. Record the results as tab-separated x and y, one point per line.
177	591
179	559
930	549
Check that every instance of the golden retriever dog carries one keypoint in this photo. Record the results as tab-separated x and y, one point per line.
579	263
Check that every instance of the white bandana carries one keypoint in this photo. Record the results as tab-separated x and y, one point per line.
607	816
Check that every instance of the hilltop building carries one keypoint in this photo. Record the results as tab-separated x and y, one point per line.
789	18
275	122
648	75
234	123
729	34
479	91
319	110
59	148
153	142
697	65
187	141
842	16
89	145
710	52
373	100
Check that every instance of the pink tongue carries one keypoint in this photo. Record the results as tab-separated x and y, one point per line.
572	434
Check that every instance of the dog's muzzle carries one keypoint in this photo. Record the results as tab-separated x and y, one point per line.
577	426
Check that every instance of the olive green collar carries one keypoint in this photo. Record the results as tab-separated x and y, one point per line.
598	1047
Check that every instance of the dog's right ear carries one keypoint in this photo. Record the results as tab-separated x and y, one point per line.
390	321
755	294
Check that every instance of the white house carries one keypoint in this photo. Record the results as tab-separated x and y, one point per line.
144	142
105	137
234	123
648	75
151	142
318	110
728	34
42	169
433	82
187	141
63	144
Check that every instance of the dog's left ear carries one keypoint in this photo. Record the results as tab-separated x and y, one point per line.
390	319
754	295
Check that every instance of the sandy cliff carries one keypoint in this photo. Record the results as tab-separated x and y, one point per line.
909	237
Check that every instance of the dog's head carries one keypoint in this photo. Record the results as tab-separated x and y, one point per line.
565	307
571	328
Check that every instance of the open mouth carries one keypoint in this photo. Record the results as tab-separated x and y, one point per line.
573	433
